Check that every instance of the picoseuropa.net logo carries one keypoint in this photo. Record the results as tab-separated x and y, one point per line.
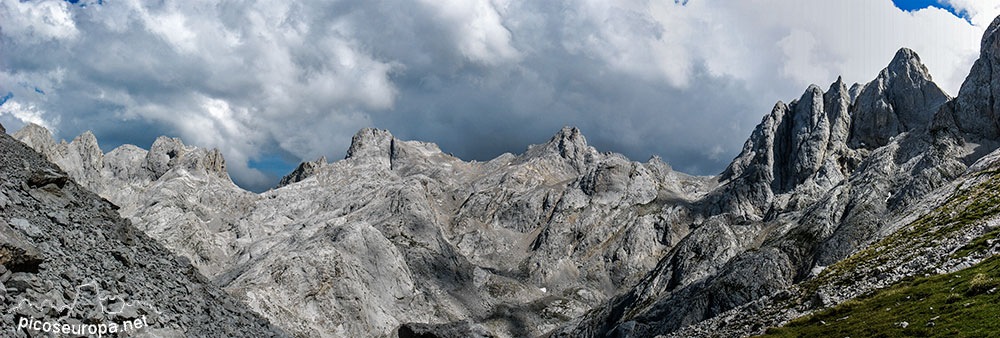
25	323
90	312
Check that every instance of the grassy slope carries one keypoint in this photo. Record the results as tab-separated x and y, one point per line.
960	304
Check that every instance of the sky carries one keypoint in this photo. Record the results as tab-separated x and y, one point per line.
271	83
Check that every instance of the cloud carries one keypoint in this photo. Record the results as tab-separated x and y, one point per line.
260	78
799	51
38	20
16	115
477	31
979	12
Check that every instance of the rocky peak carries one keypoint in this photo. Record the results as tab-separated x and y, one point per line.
86	145
803	140
380	148
812	139
169	152
162	155
215	163
976	111
791	146
303	171
86	140
790	142
902	98
35	136
907	62
370	144
82	159
837	102
568	144
855	91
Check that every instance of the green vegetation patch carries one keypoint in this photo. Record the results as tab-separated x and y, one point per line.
978	245
960	304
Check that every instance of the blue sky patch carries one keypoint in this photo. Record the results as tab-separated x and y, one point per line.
272	165
6	97
83	4
914	5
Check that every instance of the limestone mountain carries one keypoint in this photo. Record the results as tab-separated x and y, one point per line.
834	195
812	215
400	232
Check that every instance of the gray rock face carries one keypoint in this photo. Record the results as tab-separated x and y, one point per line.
569	144
902	98
818	140
176	193
921	241
17	253
68	257
451	330
976	110
372	145
504	243
800	144
855	91
162	154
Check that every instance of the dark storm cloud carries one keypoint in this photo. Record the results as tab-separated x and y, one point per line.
273	81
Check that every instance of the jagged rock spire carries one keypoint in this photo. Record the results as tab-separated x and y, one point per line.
813	139
902	98
976	112
568	144
370	144
790	144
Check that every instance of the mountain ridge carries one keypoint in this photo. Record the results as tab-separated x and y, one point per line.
479	213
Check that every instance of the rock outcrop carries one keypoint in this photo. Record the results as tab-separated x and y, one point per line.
303	171
178	194
802	144
902	98
67	257
976	110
